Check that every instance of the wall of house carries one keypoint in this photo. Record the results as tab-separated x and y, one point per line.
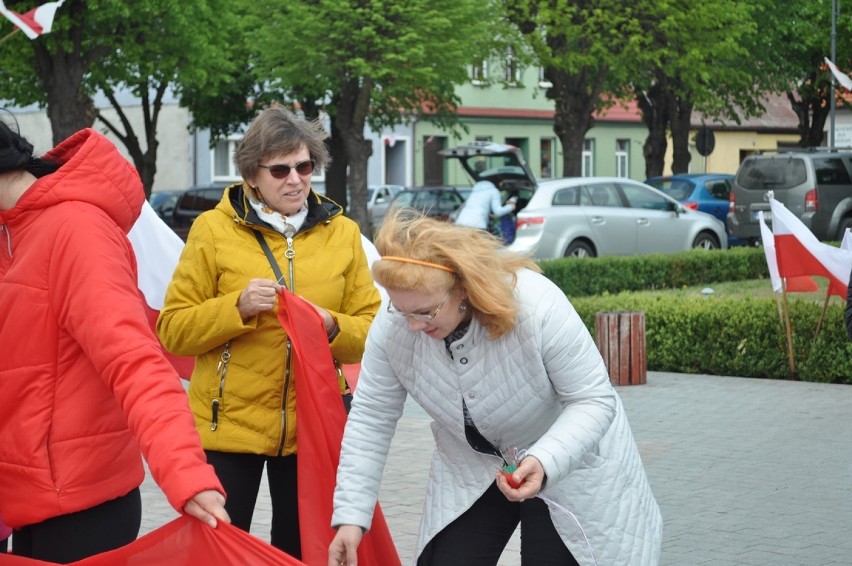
533	137
730	149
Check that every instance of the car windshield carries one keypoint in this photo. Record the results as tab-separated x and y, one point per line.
676	188
772	173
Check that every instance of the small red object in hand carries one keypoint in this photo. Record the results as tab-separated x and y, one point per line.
507	473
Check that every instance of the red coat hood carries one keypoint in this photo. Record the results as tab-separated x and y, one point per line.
93	171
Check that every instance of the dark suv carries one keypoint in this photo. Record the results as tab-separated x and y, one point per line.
815	185
190	204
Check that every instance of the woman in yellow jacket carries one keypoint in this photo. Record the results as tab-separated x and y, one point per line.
269	231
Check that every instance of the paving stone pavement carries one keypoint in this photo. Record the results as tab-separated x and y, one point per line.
747	472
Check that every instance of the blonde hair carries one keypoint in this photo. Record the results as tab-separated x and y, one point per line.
479	264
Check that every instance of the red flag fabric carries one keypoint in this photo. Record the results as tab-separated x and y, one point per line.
319	432
802	284
799	252
35	22
186	541
157	249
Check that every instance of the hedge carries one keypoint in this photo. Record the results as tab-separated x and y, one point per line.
713	335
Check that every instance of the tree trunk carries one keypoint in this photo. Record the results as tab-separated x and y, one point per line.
335	175
69	107
144	161
812	113
654	110
351	121
680	114
576	97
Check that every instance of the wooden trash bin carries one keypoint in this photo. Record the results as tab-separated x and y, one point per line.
620	337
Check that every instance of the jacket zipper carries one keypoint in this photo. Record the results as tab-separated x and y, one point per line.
221	370
290	254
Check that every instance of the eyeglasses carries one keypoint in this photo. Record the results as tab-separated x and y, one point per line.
419	317
283	171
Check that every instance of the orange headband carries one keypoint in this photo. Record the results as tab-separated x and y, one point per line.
417	262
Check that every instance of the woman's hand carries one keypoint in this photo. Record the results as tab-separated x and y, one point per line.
530	476
327	320
258	296
343	550
207	506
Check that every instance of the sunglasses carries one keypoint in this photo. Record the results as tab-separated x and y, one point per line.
283	171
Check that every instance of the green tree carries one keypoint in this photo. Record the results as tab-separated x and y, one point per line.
793	39
151	48
698	59
586	48
375	63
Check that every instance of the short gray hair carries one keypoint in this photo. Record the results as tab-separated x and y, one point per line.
278	131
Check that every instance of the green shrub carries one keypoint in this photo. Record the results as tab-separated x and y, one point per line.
584	277
714	335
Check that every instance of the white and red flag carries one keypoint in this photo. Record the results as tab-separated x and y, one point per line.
841	77
803	284
157	250
37	21
799	252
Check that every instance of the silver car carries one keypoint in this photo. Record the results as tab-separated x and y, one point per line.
596	216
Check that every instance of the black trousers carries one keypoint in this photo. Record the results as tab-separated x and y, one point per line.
75	536
479	535
240	475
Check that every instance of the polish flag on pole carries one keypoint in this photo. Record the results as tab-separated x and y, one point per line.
157	250
35	22
802	284
841	77
799	252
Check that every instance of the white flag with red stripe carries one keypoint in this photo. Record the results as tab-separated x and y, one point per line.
799	252
35	22
794	284
157	250
841	77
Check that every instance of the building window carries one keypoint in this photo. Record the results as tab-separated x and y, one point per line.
588	168
622	164
512	68
479	73
482	138
542	80
224	170
546	145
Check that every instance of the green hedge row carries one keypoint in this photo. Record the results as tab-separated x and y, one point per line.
713	335
579	278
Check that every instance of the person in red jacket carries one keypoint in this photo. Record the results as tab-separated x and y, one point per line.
85	386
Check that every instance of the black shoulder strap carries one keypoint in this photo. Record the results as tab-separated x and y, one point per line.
271	258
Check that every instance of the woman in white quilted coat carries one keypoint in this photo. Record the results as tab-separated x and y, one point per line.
497	356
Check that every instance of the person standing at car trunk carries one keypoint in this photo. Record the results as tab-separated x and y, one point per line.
484	200
269	231
85	384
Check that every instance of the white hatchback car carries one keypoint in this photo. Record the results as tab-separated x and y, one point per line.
596	216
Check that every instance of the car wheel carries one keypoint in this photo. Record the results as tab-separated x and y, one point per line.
706	241
579	248
844	224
